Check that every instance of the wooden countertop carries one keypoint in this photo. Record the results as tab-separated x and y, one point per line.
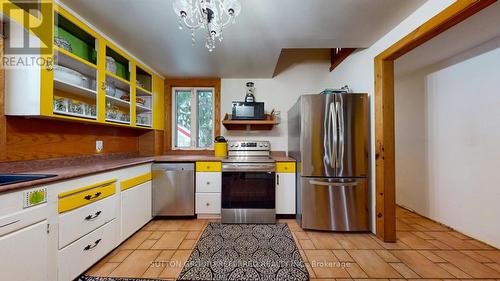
283	159
187	158
68	171
75	167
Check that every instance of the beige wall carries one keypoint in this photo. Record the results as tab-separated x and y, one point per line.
280	93
447	136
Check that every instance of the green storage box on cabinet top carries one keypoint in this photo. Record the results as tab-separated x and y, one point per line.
79	47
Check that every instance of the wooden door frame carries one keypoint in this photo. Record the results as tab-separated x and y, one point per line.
384	107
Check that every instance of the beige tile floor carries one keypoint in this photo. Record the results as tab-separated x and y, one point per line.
424	250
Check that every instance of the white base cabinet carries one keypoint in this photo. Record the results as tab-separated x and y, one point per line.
24	239
24	254
136	208
80	255
208	194
59	237
285	193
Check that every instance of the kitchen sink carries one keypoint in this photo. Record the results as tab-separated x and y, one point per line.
16	178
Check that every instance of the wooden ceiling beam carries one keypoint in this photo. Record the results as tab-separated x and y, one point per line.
338	55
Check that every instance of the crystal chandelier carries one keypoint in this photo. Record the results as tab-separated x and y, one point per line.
212	15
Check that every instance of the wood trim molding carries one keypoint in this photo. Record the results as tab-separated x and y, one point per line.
449	17
384	107
385	175
151	143
189	82
3	119
339	55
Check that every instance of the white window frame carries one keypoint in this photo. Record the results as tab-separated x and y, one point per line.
194	117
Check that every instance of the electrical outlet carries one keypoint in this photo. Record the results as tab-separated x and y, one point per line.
99	145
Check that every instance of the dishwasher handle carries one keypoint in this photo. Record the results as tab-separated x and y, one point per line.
174	167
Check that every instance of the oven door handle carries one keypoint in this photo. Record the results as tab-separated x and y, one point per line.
244	167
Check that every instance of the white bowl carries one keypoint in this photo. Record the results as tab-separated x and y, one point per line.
70	76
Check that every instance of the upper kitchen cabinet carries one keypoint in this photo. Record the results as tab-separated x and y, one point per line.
73	79
91	80
117	86
144	96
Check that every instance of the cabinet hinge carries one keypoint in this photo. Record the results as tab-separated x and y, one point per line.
3	29
48	228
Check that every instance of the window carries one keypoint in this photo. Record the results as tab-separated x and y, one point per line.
193	122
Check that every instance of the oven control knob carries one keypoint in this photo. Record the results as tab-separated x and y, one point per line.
231	145
265	144
260	145
236	145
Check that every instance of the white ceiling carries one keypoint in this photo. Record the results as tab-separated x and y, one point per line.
470	33
251	47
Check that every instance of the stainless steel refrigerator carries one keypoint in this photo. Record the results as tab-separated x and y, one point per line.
328	135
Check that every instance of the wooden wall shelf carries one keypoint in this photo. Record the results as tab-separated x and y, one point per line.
266	124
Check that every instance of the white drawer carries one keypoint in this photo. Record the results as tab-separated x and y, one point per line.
208	203
208	182
83	253
76	223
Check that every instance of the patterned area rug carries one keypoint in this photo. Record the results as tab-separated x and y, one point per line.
245	252
92	278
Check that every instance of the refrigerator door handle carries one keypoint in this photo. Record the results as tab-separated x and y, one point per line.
328	183
341	146
333	145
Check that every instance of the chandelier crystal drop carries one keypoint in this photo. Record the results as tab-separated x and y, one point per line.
212	15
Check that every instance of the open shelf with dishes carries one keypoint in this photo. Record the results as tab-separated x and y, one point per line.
144	119
118	87
89	79
117	65
118	105
75	71
143	81
73	40
144	97
117	111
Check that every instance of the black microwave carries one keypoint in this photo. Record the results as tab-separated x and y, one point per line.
248	110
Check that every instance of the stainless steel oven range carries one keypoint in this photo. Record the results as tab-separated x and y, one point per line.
248	183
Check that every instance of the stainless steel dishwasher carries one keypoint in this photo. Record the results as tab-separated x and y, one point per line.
173	189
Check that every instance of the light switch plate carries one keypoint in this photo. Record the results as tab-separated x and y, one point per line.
99	145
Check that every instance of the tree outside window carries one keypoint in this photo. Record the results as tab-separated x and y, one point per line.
193	118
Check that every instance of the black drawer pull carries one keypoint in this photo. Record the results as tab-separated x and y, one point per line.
91	217
90	197
90	247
